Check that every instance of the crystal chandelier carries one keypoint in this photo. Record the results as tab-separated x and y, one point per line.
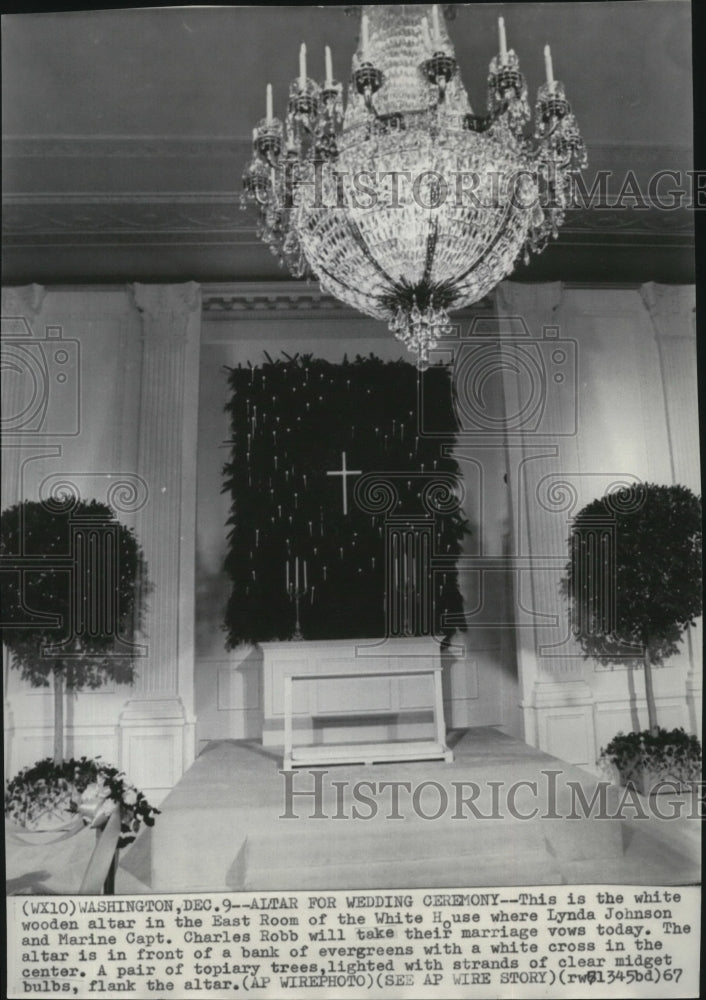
408	204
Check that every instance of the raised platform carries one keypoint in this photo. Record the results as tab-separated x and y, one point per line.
223	827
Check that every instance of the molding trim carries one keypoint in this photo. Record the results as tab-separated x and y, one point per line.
638	157
289	299
123	146
75	219
78	219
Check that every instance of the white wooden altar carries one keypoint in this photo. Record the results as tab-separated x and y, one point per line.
347	701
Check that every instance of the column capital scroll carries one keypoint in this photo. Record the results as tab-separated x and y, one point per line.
23	301
672	308
167	309
516	298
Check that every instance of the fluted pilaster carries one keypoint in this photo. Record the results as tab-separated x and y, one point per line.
170	315
20	308
541	406
166	460
672	310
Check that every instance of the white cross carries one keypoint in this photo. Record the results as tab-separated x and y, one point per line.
344	473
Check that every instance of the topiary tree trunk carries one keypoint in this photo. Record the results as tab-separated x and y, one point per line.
57	672
649	691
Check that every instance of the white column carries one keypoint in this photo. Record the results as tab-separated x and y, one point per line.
20	308
672	310
157	725
556	700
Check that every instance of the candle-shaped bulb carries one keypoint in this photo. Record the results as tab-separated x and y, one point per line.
305	582
503	39
296	572
302	66
269	102
364	39
329	67
288	576
435	30
549	69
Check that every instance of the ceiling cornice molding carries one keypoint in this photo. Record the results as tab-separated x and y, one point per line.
37	144
233	300
206	218
121	197
621	226
124	146
287	300
619	159
78	219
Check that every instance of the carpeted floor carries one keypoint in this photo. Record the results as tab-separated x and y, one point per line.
502	813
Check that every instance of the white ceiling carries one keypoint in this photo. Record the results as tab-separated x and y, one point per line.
125	132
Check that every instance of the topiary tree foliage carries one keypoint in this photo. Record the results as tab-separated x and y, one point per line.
72	585
649	576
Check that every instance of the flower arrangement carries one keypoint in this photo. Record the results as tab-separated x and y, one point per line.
48	794
669	756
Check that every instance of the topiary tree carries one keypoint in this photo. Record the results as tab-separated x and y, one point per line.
634	579
72	584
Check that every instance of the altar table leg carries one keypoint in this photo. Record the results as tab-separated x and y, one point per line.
288	707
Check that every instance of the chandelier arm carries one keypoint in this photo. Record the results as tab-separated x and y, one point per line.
339	290
335	280
365	250
547	135
432	237
490	246
368	98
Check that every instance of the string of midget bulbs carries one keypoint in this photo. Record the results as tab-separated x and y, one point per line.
407	204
